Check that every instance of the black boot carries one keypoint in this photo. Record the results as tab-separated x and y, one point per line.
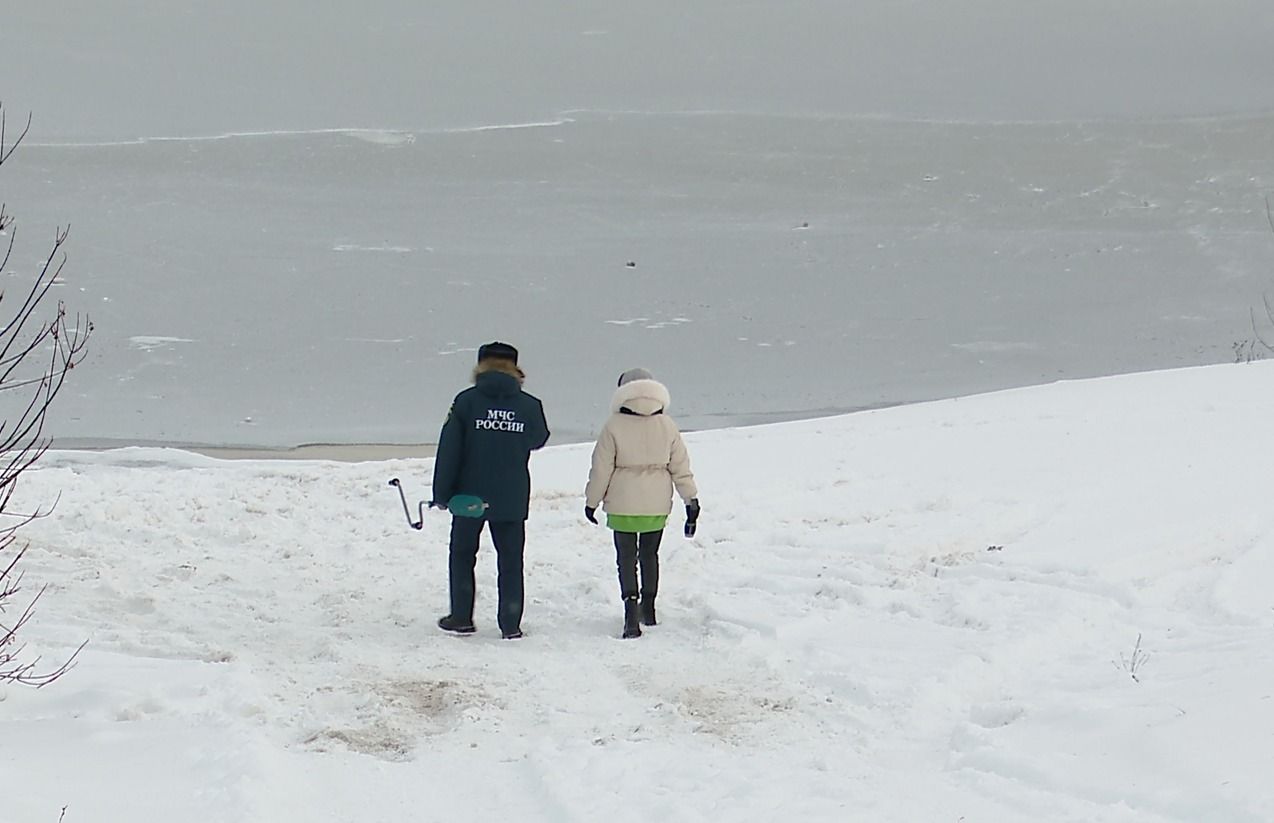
456	625
632	618
648	611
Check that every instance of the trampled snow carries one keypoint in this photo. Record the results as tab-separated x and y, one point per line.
1044	604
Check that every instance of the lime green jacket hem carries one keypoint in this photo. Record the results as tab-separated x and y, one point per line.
637	523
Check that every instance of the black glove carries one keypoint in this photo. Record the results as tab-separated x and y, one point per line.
591	513
692	516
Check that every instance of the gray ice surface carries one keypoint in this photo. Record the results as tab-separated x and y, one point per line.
296	226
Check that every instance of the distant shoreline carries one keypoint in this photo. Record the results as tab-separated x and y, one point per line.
343	452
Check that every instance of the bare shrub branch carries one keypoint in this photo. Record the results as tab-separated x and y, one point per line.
37	352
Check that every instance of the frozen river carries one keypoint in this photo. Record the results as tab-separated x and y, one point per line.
774	238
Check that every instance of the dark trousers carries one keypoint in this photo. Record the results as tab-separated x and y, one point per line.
633	550
510	540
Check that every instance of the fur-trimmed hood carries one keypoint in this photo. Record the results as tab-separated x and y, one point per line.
499	364
498	377
641	397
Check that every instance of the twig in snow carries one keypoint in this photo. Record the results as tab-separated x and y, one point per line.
1134	662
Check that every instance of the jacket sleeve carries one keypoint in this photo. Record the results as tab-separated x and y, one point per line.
538	430
450	455
679	467
603	468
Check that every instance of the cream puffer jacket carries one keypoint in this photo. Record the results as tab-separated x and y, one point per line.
639	457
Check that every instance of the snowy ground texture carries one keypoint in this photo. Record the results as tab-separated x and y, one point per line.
926	613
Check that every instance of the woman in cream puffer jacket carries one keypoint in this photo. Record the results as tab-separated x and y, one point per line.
638	461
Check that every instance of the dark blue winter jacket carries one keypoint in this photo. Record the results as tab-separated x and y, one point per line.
486	444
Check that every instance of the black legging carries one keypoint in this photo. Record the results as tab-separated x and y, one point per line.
632	549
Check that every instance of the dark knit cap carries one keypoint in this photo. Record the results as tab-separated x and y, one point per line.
502	351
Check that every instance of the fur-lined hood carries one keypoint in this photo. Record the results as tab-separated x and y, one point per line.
498	377
641	397
499	364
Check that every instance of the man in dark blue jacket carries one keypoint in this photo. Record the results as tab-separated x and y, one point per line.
484	451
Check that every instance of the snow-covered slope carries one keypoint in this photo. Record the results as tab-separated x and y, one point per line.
928	613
